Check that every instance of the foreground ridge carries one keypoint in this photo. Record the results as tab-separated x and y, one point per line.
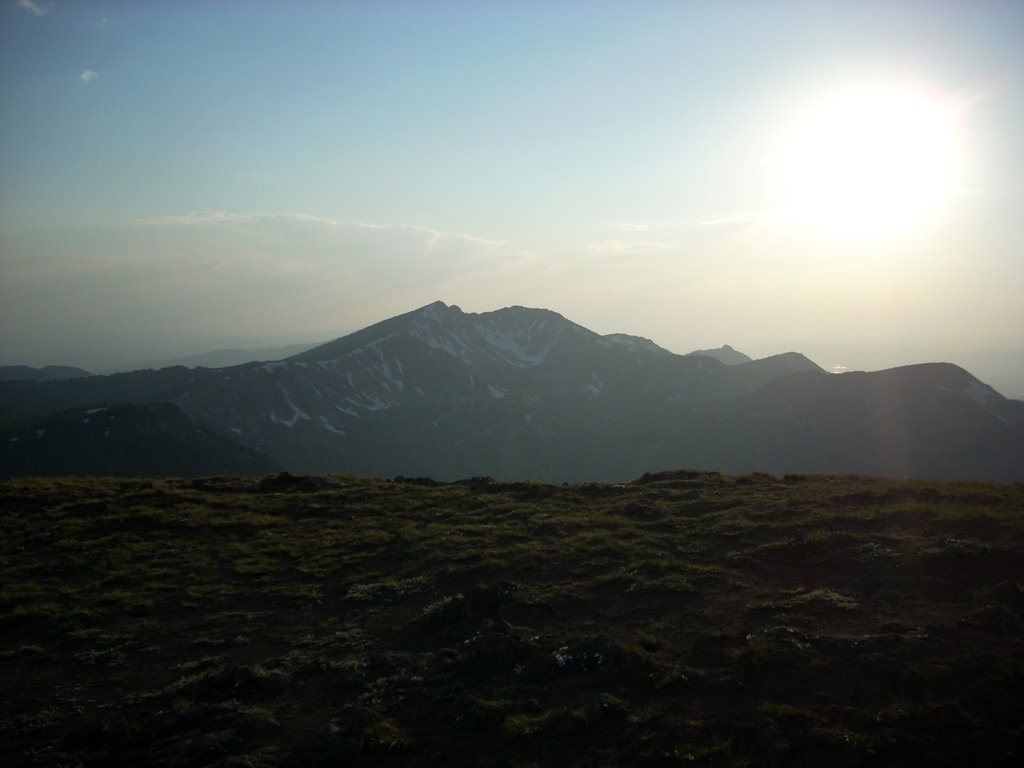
685	617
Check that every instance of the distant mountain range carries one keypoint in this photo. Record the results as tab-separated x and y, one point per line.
524	393
222	358
46	373
725	354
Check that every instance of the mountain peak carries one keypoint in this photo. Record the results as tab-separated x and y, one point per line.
724	354
436	308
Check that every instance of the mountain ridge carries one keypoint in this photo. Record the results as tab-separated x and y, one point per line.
725	353
521	393
45	373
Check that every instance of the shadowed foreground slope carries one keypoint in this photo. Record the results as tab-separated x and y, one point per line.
684	619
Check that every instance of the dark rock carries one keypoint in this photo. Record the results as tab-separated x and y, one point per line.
318	750
60	760
711	650
233	681
210	745
191	751
995	619
876	673
286	481
492	648
234	762
425	481
485	600
469	712
87	732
478	482
357	719
448	610
772	748
1010	594
540	667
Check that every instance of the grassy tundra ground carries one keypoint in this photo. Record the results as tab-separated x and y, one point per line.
687	618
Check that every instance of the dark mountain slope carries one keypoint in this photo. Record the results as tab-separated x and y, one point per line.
930	420
46	373
126	440
30	399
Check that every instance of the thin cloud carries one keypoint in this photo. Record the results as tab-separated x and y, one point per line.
435	238
88	75
627	227
198	219
33	8
305	218
625	247
209	218
740	218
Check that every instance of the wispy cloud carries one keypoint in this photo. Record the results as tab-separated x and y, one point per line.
33	8
196	218
209	218
627	227
311	219
102	23
625	247
741	218
88	75
434	238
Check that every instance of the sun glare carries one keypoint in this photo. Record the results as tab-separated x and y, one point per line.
870	160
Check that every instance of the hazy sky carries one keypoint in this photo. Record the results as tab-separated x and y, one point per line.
843	179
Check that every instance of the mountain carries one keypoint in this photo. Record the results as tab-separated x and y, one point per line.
526	393
223	358
125	440
516	392
931	420
46	373
725	354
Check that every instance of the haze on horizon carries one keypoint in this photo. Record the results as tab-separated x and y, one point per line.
840	179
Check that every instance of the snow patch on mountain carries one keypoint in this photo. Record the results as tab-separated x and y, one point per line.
330	428
371	403
451	341
297	413
378	366
513	343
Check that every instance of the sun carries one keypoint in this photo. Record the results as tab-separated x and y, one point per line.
870	159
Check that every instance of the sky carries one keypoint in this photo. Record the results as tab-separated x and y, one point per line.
841	179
